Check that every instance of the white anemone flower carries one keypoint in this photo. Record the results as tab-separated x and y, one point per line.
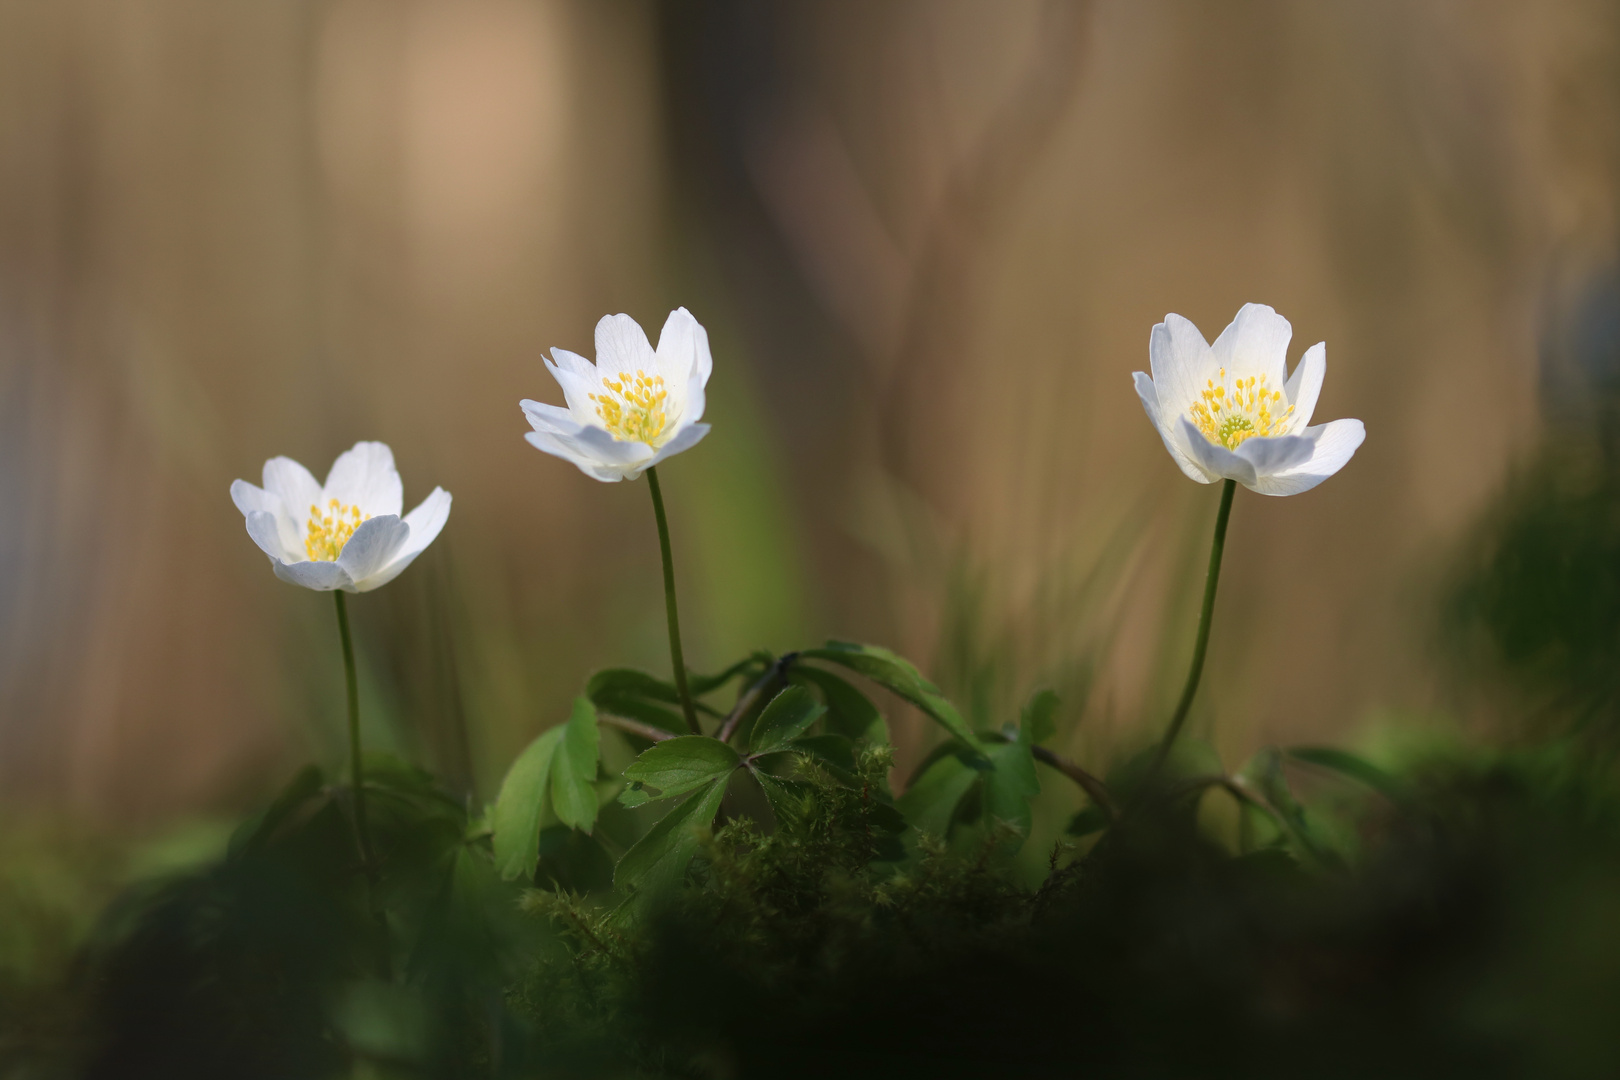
635	407
1226	412
345	534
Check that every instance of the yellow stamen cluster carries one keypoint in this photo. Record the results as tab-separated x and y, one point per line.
633	408
1234	411
329	531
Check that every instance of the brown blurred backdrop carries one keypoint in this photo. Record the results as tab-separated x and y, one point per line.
928	239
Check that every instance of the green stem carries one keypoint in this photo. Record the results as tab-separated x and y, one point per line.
1204	616
356	770
675	656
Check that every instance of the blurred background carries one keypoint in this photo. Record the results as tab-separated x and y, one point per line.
928	238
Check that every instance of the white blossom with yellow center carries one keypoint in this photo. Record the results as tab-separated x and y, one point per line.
635	406
1226	411
345	534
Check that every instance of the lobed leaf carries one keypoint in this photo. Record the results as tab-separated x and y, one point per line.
849	712
931	801
704	684
1039	719
660	858
675	766
519	806
788	798
1347	764
898	675
1011	784
573	769
784	719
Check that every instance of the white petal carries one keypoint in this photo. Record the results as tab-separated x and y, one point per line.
426	522
693	401
1305	384
1336	443
569	450
297	489
1256	343
543	417
621	346
575	363
1215	459
577	389
373	546
387	573
250	499
365	477
1276	453
266	532
683	350
1180	360
1150	405
322	576
684	439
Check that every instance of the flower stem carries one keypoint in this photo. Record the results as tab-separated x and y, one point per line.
356	770
1202	645
675	656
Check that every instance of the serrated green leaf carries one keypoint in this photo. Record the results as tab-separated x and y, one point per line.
832	751
930	802
898	675
788	798
675	766
660	858
1346	764
519	806
573	769
1010	785
1039	719
703	684
629	683
784	719
849	712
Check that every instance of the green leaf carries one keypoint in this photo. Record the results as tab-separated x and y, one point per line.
703	684
1090	819
573	769
784	719
1010	785
518	807
254	833
930	802
834	752
1039	719
660	858
615	683
849	712
897	674
788	798
1347	764
675	766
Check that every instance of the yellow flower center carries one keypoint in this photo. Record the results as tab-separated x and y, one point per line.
632	408
328	532
1234	411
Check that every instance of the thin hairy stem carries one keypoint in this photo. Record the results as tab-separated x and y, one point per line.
675	656
1201	646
